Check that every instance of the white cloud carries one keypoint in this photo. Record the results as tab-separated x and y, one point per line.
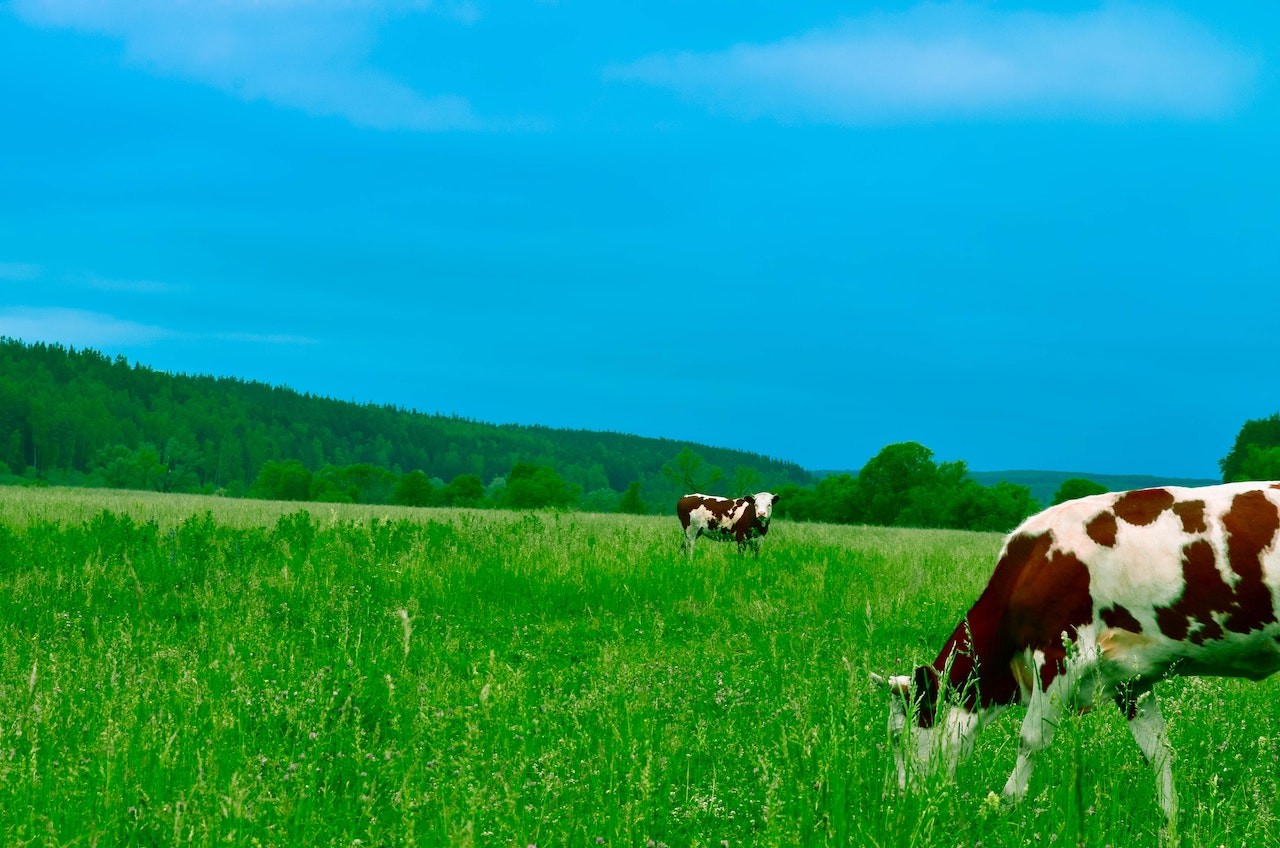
956	61
309	55
75	327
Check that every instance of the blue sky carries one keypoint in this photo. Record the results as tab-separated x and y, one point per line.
1025	235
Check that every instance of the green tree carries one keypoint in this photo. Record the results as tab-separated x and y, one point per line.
230	467
282	481
886	481
1011	504
1260	433
121	467
837	499
182	463
532	486
464	490
1077	487
328	486
413	489
630	502
603	499
1000	507
1259	463
938	497
361	482
689	472
746	481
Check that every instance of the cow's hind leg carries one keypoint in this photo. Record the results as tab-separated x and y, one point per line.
690	535
1146	723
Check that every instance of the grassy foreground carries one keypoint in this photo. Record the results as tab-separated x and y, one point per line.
184	670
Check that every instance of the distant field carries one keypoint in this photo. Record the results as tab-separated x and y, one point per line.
186	670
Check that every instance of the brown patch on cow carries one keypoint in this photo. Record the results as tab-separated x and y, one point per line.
1142	507
1037	597
1204	593
1050	604
1172	623
721	508
1192	515
1120	617
1102	529
1251	524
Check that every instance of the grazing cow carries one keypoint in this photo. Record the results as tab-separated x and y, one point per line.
745	520
1102	597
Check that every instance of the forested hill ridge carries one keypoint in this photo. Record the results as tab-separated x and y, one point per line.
81	417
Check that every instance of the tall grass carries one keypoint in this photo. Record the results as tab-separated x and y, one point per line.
199	671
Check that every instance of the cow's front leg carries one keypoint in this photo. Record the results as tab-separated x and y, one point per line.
1146	723
1038	727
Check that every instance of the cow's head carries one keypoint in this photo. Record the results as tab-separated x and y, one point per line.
927	734
764	505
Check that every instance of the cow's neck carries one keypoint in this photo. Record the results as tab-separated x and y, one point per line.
975	663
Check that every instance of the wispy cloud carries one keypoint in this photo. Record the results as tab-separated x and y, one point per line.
107	284
311	55
85	328
19	272
264	338
943	62
76	327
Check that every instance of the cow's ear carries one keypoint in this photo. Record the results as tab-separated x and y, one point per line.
776	497
751	499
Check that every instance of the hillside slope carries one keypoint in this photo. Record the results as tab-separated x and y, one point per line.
67	413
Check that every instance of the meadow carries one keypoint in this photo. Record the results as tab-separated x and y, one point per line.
185	670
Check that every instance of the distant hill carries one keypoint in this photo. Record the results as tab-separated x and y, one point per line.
1044	484
77	416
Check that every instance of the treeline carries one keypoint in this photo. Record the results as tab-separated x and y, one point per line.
78	417
902	486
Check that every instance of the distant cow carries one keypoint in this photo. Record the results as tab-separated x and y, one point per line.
1102	597
744	520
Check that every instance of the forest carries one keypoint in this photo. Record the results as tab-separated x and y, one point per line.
82	418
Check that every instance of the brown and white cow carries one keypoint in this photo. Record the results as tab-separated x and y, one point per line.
745	520
1102	597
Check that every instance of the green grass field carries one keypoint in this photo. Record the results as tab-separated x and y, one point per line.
184	670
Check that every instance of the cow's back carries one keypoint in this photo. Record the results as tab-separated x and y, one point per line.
1151	577
687	504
